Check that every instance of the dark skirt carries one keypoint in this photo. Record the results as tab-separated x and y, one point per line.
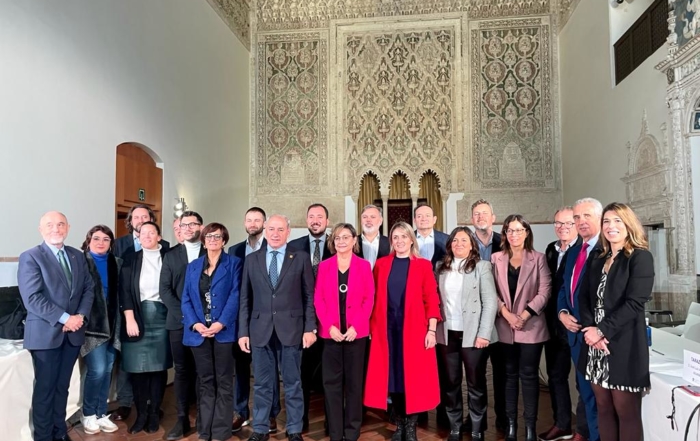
152	352
396	376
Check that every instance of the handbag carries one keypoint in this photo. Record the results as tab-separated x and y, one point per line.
12	314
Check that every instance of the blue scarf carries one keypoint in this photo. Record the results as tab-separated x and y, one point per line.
101	264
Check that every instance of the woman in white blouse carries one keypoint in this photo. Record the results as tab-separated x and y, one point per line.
469	301
145	345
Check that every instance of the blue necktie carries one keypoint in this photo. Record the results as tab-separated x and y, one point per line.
65	268
274	275
137	244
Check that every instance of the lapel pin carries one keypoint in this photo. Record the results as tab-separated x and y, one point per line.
291	256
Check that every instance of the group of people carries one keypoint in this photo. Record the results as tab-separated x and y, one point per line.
397	320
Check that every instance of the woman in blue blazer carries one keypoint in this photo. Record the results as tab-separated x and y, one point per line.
210	317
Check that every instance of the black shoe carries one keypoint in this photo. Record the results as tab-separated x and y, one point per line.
530	434
153	424
411	429
400	432
259	437
512	430
455	435
121	414
181	427
294	437
139	424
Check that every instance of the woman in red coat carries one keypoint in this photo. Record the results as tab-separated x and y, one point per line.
402	359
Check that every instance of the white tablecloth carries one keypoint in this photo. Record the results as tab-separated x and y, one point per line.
656	405
16	384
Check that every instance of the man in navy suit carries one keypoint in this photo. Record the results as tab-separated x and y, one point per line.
587	215
58	291
254	224
431	242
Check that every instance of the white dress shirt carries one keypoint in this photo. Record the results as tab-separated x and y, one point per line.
370	249
453	296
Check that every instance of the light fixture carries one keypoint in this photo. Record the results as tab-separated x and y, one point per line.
179	208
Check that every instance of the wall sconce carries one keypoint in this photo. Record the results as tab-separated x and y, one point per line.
179	208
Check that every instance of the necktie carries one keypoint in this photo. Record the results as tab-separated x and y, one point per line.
317	256
65	268
137	244
274	275
578	267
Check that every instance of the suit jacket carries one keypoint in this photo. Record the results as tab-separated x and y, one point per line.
556	329
45	293
124	247
564	297
225	292
130	294
359	297
533	290
238	249
479	302
287	309
384	247
628	287
303	244
440	240
172	282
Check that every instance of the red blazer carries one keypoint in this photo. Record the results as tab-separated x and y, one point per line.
533	291
420	365
359	301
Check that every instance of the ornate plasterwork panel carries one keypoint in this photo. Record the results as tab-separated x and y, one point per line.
565	10
687	20
513	131
235	13
398	100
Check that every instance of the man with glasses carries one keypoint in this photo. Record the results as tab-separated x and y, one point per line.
172	283
556	350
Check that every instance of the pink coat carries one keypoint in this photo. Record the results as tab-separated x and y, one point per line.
359	300
534	284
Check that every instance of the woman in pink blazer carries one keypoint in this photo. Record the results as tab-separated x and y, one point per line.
523	283
343	299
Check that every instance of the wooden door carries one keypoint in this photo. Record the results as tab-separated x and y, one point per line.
139	181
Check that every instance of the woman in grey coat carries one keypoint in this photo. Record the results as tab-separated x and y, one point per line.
469	302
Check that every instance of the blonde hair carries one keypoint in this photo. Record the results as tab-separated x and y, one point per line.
415	252
636	237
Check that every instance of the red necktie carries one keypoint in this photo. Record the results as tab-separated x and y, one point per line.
578	267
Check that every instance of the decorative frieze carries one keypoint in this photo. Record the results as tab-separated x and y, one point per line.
235	13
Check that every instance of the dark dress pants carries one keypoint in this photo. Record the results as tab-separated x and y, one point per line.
453	357
52	372
522	366
215	373
558	356
310	367
496	353
343	370
266	360
185	373
242	361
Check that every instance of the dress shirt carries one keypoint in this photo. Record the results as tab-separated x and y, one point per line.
562	250
280	257
249	249
65	316
426	245
485	250
453	296
149	281
321	245
192	250
370	249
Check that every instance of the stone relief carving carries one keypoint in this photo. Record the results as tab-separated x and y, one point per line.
235	13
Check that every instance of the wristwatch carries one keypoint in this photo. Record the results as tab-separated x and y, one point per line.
599	332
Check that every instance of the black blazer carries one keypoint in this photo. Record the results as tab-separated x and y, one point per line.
384	247
556	329
124	247
303	244
288	309
130	294
440	250
628	287
238	250
172	282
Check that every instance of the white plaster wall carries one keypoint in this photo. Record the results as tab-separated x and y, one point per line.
80	77
623	16
598	119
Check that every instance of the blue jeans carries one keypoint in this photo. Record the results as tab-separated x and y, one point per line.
99	363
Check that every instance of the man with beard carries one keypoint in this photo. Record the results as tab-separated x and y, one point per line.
316	244
254	224
371	244
172	283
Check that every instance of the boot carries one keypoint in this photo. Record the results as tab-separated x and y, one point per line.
530	434
141	414
400	429
153	419
181	427
512	430
410	428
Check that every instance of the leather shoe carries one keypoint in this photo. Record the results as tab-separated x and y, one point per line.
555	434
238	423
579	437
121	414
273	425
181	427
259	437
65	437
294	437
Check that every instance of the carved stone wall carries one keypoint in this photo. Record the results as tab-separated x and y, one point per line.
235	13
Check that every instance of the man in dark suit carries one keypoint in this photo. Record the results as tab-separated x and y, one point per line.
316	244
254	224
58	292
587	215
431	242
371	244
125	248
277	320
172	282
556	349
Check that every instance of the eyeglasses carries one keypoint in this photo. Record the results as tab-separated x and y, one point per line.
213	237
516	232
190	225
563	224
342	238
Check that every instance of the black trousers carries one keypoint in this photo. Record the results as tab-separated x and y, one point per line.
185	373
215	373
52	372
522	366
343	378
453	357
149	388
310	367
498	369
558	356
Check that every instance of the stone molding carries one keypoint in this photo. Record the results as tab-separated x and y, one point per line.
236	15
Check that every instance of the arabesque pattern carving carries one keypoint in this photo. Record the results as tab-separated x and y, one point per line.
512	127
398	94
235	14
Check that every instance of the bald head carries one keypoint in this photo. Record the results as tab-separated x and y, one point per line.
54	228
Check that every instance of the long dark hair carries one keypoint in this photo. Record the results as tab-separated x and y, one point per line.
103	229
469	263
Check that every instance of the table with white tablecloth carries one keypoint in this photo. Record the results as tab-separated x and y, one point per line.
16	384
